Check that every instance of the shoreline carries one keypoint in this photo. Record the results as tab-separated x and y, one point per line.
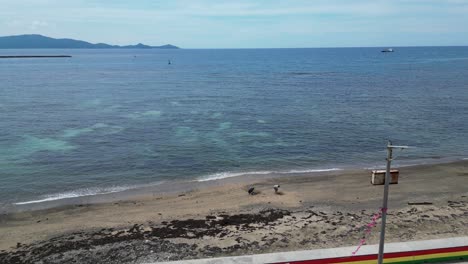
117	193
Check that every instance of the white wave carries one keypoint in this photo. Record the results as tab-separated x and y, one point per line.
224	175
375	168
78	193
308	171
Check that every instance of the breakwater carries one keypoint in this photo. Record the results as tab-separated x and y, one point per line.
34	56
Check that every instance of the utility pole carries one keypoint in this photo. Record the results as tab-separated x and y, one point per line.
390	148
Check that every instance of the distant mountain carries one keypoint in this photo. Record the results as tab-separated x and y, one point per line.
35	41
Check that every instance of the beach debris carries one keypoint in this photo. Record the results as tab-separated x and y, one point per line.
455	204
419	203
276	188
251	191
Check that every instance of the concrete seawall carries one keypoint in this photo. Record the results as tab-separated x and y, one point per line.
433	251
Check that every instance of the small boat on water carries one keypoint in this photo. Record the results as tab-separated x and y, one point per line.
388	50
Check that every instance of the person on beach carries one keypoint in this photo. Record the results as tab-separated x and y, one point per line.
276	188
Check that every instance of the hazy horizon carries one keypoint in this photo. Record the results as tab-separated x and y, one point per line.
201	48
244	24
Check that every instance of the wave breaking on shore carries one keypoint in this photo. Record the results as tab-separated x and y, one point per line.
77	193
224	175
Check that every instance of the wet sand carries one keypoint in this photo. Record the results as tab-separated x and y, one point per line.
319	211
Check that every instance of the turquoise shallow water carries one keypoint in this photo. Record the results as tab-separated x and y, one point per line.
107	120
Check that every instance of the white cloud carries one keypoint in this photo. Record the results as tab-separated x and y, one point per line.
37	24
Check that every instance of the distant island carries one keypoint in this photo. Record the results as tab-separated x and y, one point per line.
35	41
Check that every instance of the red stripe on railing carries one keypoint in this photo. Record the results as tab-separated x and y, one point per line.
374	256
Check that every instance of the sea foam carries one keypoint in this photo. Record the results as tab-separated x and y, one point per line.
224	175
77	193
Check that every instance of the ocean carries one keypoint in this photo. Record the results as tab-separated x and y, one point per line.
105	121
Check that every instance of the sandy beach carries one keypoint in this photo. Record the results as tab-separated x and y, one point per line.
327	210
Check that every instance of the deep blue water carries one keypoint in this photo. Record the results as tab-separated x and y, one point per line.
106	120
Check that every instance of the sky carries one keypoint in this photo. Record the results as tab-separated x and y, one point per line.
243	23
